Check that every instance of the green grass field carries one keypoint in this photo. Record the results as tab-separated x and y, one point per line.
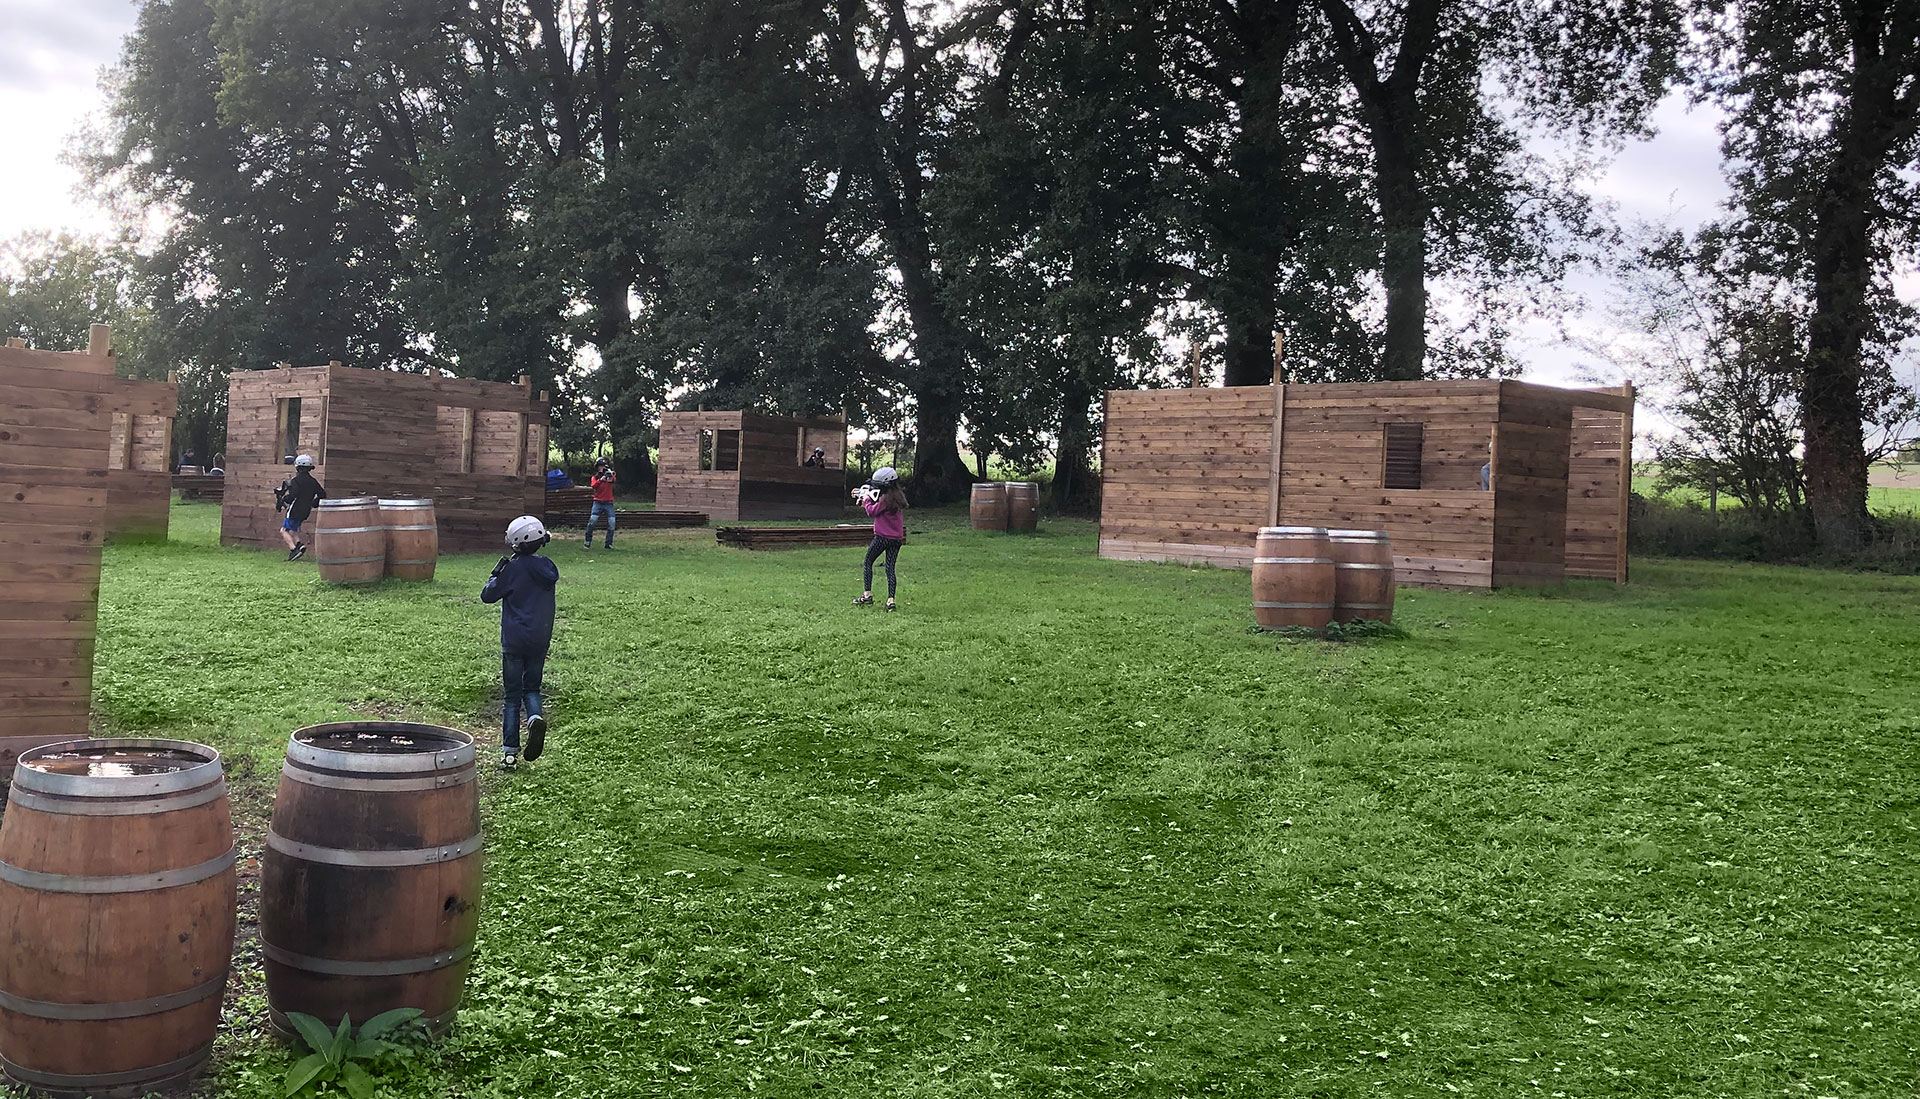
1064	826
1881	499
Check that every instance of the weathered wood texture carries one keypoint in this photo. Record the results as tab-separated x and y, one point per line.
1190	474
793	537
138	485
749	466
56	412
476	449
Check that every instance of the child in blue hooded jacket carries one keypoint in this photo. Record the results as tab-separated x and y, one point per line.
523	586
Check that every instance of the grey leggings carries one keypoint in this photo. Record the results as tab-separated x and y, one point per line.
890	547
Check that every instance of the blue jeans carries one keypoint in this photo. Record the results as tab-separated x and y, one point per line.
521	673
601	510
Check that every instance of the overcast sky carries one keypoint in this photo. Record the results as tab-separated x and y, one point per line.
52	51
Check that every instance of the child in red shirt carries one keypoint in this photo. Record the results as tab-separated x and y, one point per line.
602	500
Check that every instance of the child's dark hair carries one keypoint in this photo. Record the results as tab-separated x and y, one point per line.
895	498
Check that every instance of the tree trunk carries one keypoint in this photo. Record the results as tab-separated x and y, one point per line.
1074	483
1836	456
1246	304
1403	260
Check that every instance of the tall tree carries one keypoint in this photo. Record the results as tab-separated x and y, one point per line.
1441	86
1823	132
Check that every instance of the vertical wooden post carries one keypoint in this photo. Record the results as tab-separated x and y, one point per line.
1626	480
1193	367
1275	461
99	339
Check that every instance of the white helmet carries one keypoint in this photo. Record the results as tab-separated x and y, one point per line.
526	531
884	477
305	461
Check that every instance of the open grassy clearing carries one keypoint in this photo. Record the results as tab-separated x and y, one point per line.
1881	499
1066	827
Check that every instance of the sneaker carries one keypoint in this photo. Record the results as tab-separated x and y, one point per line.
299	551
589	544
863	601
536	736
508	761
293	553
889	604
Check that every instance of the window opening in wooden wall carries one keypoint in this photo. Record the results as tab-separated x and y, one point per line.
706	449
828	444
1400	455
454	445
726	450
289	440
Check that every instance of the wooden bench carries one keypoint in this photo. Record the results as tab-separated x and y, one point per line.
200	487
793	537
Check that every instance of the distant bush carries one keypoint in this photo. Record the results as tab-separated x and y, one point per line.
1664	527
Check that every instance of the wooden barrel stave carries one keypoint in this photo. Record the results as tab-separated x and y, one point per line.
1023	505
1293	577
132	1003
349	543
371	882
987	508
1363	575
412	539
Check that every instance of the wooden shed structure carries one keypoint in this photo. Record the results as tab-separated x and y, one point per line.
744	465
1192	474
55	416
477	449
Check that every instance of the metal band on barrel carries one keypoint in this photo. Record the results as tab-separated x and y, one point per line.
337	967
1293	606
441	759
129	1009
1293	560
348	530
92	807
1361	565
376	785
26	777
153	1074
406	856
118	883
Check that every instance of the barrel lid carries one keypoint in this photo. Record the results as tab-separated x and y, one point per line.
116	768
989	486
386	503
1358	535
380	747
350	502
1293	530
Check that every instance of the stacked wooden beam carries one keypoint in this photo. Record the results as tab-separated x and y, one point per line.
624	518
55	416
792	537
200	487
567	507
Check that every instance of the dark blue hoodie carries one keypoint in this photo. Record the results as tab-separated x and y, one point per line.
523	586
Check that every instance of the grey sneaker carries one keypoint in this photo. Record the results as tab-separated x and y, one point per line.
299	551
508	761
536	736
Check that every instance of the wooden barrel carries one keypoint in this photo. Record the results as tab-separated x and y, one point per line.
349	544
1292	577
1023	505
413	538
989	507
1362	575
117	913
370	887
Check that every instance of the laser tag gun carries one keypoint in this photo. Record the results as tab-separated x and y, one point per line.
283	496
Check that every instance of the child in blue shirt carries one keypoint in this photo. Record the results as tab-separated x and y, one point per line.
523	586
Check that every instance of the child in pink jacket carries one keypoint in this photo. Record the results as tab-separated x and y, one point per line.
886	503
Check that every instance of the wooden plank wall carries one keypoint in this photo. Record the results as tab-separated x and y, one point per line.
1596	530
1333	462
773	483
55	418
1532	449
682	485
256	453
770	482
379	433
139	484
1185	474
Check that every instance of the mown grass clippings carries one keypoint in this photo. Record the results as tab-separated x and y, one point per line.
1063	826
